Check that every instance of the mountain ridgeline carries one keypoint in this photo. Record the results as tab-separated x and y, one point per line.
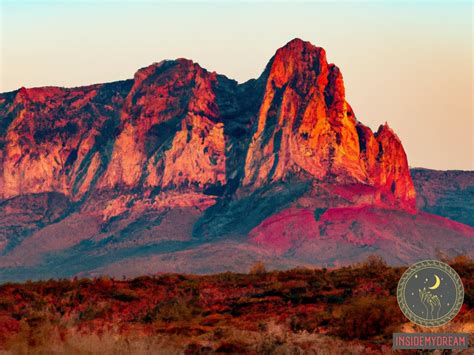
178	126
186	165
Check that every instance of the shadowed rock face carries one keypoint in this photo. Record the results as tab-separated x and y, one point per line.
55	139
179	156
446	193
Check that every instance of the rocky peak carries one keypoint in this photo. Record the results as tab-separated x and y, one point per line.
304	123
299	62
171	135
385	164
393	172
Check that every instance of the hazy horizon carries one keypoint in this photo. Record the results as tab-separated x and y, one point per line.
409	64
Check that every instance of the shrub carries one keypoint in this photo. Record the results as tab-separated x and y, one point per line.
231	348
374	262
175	311
125	295
368	316
318	212
308	321
258	268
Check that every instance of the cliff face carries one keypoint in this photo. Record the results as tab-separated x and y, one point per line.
178	126
172	134
54	139
306	125
385	163
304	122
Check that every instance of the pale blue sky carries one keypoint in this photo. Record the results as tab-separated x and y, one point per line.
408	63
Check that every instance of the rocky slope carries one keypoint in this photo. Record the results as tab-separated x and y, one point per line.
446	193
186	167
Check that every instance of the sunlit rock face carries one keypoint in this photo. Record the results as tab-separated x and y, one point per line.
161	129
176	126
171	134
385	163
304	122
306	125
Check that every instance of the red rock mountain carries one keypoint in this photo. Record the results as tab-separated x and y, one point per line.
167	128
184	156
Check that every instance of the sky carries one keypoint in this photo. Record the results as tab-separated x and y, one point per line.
405	63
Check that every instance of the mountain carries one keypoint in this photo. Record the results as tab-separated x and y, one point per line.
181	169
446	193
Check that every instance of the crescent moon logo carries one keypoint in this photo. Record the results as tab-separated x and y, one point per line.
437	283
426	305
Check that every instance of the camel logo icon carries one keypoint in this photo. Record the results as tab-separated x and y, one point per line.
430	293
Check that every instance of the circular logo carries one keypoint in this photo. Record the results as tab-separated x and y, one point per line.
430	293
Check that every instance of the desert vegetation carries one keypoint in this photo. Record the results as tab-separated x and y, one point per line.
346	310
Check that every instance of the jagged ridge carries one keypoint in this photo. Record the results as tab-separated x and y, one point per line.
176	125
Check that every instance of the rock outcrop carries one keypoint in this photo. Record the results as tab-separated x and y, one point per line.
57	140
171	134
305	124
